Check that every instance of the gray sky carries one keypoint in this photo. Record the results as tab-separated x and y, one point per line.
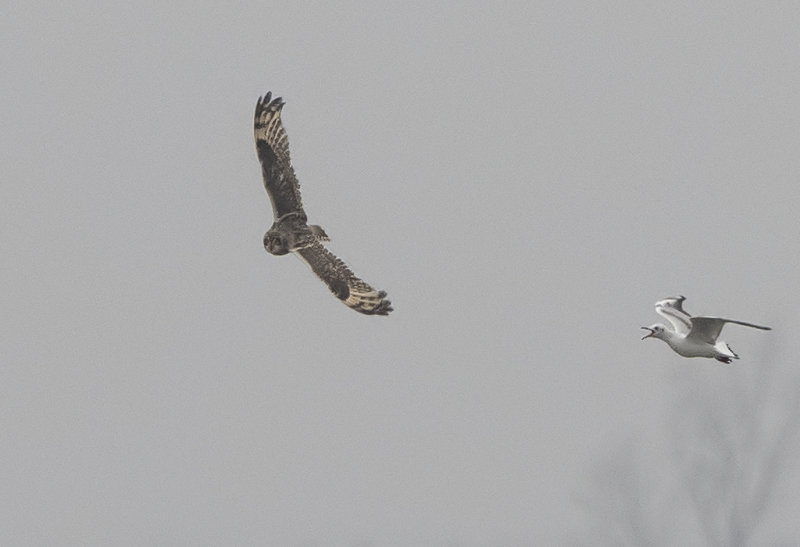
525	180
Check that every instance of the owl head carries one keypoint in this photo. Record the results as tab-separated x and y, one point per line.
274	243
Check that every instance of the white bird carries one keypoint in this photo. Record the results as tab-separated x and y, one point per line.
693	336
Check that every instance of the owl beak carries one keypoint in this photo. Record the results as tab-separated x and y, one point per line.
649	334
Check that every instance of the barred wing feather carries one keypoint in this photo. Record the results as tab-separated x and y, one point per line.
272	146
343	283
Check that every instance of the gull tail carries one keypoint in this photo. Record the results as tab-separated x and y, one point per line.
724	353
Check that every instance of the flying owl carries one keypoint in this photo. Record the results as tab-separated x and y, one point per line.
290	232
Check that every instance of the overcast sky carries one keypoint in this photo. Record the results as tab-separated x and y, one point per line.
524	179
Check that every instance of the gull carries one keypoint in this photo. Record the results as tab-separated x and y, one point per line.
693	336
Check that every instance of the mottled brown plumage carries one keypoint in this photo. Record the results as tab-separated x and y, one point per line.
290	232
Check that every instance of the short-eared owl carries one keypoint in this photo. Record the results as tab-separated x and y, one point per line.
290	232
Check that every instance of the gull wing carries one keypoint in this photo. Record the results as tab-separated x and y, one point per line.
672	310
707	329
676	303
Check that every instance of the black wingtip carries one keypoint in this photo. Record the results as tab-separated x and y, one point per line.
268	103
382	308
386	305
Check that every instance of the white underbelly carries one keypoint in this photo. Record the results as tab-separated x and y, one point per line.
692	349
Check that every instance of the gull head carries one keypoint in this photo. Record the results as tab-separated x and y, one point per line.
656	331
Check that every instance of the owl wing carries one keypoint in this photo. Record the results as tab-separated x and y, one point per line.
342	282
272	146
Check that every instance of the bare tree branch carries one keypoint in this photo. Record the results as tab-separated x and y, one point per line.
730	446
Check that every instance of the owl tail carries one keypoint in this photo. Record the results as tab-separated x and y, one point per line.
319	233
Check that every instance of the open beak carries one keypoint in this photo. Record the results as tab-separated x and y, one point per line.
649	334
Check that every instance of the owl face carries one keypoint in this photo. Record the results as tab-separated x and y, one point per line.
275	244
